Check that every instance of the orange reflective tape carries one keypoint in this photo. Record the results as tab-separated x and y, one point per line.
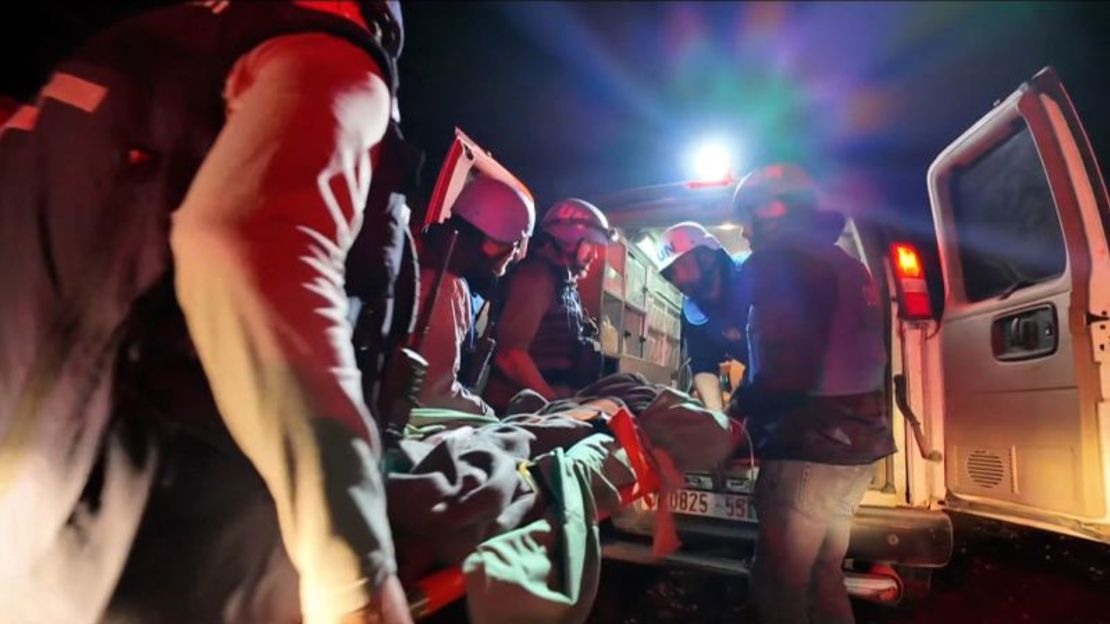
75	91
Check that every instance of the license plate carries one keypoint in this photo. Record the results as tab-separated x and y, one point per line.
710	504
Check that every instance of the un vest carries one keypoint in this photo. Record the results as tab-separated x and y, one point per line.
122	128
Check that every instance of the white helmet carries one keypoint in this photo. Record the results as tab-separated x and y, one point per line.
682	238
501	211
571	221
778	181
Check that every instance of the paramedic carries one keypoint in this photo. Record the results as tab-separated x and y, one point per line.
812	394
491	222
545	341
714	308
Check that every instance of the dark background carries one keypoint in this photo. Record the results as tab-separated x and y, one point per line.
585	98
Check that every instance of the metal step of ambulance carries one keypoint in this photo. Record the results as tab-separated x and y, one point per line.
884	588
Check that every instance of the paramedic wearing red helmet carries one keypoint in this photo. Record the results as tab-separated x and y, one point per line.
181	415
812	394
545	342
714	308
494	221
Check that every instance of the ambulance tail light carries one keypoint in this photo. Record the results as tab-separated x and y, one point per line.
909	277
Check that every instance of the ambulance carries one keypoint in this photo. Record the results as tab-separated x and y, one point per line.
999	343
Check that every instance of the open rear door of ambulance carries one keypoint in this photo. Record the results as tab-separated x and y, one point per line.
1021	216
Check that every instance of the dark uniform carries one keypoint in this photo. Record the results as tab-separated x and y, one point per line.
814	402
100	389
539	311
716	334
804	403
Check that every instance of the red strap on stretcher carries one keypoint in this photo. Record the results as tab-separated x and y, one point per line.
436	591
627	432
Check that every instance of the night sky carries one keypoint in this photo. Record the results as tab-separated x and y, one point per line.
590	98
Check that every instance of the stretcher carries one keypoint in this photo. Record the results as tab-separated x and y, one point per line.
442	588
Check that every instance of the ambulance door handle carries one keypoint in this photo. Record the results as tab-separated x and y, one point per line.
1025	335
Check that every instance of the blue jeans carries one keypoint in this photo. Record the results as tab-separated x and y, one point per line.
805	519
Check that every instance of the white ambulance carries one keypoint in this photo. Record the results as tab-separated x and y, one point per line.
1006	367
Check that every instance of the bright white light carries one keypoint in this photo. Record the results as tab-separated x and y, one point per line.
711	160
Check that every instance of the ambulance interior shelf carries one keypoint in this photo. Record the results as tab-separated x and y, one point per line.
637	312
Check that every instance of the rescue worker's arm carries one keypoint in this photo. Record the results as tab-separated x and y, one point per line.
518	365
793	299
705	361
448	325
259	246
529	294
708	386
